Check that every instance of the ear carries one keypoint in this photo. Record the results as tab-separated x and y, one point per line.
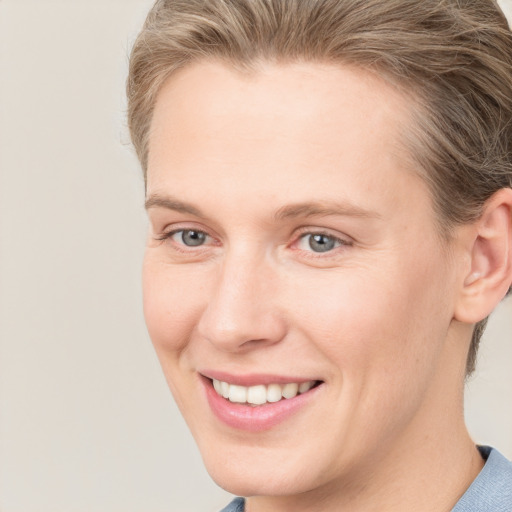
490	271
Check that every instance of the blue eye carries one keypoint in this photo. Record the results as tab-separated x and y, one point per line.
319	242
189	237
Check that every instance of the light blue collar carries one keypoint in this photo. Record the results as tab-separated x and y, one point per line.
491	491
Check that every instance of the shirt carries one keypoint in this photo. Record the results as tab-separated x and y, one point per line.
491	491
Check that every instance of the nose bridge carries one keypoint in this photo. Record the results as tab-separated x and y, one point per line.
240	308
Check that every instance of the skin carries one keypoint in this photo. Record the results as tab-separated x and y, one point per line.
375	318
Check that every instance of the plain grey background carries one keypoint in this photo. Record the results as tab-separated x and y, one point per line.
86	420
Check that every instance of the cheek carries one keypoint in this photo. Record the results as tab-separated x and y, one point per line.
378	320
172	304
377	334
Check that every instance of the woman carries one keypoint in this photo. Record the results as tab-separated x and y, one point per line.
329	188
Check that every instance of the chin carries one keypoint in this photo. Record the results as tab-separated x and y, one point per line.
245	475
252	483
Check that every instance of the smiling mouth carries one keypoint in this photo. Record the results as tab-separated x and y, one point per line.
261	394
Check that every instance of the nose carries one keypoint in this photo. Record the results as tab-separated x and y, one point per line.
242	312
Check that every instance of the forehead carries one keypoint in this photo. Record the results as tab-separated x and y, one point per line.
277	128
277	97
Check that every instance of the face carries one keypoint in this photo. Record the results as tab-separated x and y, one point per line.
293	266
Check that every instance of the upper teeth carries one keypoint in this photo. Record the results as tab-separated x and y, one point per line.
260	394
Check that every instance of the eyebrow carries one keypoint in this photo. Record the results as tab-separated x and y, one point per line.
307	209
324	209
171	203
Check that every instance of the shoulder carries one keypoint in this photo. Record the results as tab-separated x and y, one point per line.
491	491
237	505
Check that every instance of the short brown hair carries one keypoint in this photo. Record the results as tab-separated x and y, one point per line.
454	57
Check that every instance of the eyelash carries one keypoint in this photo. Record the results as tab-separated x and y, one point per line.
302	235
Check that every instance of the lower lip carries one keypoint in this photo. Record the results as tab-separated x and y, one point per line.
259	418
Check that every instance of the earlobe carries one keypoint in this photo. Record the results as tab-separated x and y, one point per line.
490	274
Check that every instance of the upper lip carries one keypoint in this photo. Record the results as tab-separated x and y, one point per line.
253	379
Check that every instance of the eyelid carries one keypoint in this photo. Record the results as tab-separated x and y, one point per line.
312	230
